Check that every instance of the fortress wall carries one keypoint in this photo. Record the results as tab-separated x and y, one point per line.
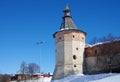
91	65
96	60
101	64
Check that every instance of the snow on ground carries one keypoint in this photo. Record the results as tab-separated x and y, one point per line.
115	78
45	79
111	77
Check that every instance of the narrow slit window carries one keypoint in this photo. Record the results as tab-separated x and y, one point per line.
95	51
73	36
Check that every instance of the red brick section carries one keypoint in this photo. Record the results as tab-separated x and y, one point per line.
98	49
70	35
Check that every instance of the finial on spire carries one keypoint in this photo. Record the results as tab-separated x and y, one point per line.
67	22
67	8
67	11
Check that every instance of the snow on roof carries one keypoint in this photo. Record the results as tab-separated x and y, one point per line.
95	44
99	43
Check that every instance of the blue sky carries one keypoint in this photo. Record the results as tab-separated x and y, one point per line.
25	22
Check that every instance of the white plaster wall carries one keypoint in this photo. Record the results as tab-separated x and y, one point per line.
65	49
68	52
79	52
60	53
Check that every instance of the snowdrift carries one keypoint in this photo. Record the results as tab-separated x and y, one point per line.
111	77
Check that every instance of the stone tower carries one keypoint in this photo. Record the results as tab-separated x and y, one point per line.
70	43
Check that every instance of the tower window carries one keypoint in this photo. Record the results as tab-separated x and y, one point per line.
60	38
73	36
82	38
75	66
77	49
74	57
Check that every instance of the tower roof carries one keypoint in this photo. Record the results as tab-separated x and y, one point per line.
67	22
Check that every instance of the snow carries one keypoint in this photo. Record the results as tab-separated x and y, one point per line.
111	77
99	43
42	79
95	44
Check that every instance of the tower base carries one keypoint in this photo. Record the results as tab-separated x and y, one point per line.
63	71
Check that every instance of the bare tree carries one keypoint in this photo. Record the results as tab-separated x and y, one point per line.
23	67
94	40
23	70
108	38
33	68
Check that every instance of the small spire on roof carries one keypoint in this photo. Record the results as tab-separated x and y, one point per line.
67	22
67	11
67	8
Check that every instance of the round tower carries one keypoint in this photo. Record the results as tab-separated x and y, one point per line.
70	44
